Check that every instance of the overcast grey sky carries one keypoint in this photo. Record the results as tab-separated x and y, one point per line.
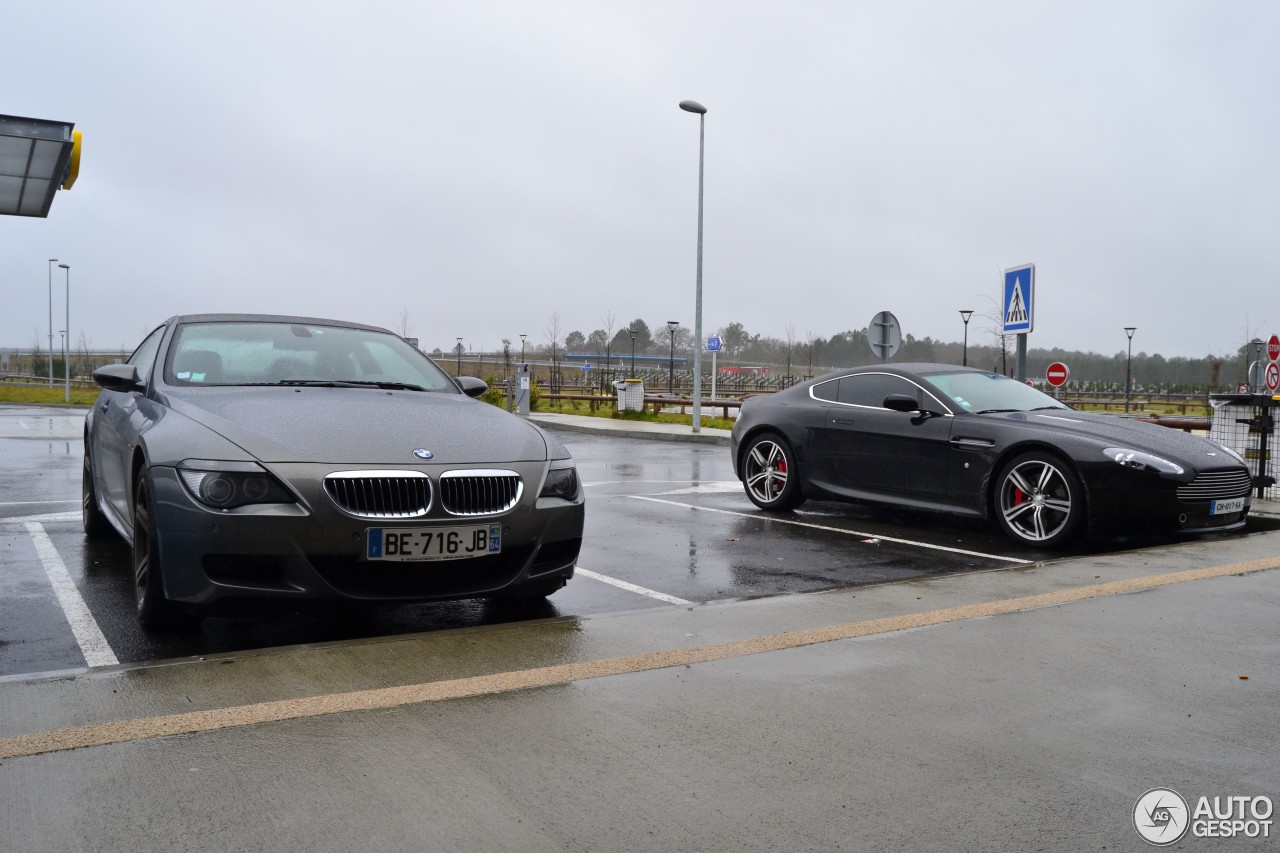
481	165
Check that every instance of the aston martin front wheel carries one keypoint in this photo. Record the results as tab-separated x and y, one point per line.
770	474
1039	500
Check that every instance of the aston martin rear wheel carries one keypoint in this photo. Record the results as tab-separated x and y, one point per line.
769	473
1039	500
154	609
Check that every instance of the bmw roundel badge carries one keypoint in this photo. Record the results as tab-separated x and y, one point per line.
423	454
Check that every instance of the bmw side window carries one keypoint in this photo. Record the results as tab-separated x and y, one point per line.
144	357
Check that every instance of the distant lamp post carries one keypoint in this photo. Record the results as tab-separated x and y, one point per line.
522	337
965	314
52	261
66	362
632	333
458	372
671	362
1128	367
701	111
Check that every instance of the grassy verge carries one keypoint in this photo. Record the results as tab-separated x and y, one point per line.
579	407
43	395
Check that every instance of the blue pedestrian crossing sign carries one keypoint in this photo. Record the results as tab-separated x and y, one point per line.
1019	300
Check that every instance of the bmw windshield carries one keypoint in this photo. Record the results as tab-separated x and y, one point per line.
268	353
990	393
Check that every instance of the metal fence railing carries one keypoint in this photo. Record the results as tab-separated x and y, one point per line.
1246	424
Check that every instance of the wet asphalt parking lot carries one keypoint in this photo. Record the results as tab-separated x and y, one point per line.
667	526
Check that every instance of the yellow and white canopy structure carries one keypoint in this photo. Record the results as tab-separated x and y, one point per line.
37	156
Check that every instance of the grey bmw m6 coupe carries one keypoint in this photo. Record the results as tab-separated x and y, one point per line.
288	458
958	440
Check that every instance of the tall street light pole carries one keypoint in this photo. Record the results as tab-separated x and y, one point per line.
522	337
671	362
52	261
965	314
66	362
458	372
695	107
1128	367
632	333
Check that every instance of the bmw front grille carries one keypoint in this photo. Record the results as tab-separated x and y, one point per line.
478	492
1217	485
380	494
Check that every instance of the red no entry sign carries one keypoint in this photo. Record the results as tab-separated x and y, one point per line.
1057	374
1273	347
1272	376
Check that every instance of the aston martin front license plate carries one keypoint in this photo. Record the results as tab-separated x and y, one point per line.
417	544
1224	507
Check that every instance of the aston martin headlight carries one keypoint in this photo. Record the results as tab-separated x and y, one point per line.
1139	461
226	485
561	482
1233	454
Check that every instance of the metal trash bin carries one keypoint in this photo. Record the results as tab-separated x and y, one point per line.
630	395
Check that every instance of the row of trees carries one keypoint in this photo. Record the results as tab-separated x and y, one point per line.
809	354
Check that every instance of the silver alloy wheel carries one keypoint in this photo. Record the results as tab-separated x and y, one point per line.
766	471
1035	500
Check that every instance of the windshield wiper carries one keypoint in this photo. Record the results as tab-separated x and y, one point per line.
1054	408
342	383
996	411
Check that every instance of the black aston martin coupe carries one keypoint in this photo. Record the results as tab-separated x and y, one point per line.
958	440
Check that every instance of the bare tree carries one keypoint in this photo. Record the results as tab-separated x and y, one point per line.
790	347
37	358
552	330
405	328
609	321
83	346
809	341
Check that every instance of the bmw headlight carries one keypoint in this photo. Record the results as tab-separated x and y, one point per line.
561	482
226	485
1139	461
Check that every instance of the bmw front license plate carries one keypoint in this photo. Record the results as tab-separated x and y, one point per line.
418	544
1226	507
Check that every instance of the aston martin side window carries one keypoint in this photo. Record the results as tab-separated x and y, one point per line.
144	357
870	389
827	391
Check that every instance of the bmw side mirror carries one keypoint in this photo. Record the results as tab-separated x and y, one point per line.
118	377
471	386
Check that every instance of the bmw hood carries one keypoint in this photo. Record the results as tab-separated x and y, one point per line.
1112	431
360	426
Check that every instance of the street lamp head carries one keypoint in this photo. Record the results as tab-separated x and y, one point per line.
64	266
632	333
53	260
671	324
693	107
965	314
1129	330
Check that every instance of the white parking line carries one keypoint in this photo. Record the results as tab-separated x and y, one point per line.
93	645
630	587
878	536
35	503
45	518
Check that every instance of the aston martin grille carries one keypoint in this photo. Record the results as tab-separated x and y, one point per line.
1217	485
380	494
479	492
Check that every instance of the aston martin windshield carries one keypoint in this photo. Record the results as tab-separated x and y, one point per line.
989	393
267	353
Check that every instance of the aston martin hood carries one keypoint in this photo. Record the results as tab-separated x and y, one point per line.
361	426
